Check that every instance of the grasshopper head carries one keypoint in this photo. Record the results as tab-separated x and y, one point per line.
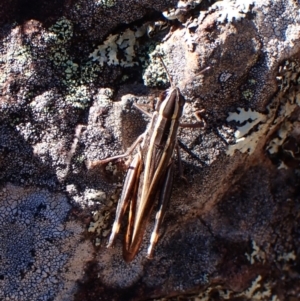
170	104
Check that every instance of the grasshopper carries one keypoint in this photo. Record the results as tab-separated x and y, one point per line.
150	173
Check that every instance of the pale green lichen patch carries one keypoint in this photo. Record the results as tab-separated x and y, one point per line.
106	3
257	254
100	223
61	32
79	96
75	77
257	291
250	117
287	127
247	94
232	9
181	7
117	50
154	73
101	219
123	43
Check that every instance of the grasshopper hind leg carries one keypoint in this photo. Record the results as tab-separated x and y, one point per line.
164	197
126	196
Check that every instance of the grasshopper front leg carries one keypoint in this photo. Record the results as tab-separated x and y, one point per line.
129	151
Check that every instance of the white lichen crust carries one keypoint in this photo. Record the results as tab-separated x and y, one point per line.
231	10
37	259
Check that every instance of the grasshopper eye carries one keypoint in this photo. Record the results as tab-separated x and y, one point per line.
162	96
181	99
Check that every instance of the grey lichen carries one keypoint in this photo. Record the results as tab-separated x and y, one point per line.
37	245
79	96
15	58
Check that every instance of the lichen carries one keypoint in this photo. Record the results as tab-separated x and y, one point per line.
101	219
155	74
61	32
36	245
79	96
181	8
257	254
123	43
286	127
248	119
232	9
106	3
257	291
75	77
15	59
283	105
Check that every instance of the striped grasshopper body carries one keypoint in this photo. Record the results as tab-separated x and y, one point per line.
150	172
149	175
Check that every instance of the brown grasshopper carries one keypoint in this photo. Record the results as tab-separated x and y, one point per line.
150	173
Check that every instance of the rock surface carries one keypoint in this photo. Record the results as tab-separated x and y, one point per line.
70	73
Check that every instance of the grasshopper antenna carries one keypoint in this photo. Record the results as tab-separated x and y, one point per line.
195	76
166	69
202	71
168	74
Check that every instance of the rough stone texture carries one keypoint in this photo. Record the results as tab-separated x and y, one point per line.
70	73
